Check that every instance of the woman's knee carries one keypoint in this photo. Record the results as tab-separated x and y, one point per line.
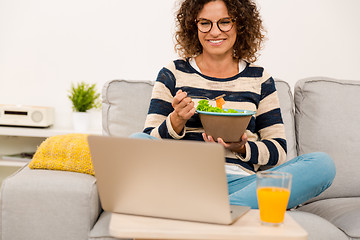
141	135
322	162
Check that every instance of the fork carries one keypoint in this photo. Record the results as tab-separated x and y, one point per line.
214	99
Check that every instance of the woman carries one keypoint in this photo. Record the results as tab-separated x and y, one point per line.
218	41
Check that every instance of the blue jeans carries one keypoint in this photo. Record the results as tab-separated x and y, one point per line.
312	174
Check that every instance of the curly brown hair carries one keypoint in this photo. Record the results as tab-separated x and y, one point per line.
249	28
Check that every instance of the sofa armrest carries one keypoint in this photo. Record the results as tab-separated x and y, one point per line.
47	204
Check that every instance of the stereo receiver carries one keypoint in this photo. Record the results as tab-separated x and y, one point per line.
26	116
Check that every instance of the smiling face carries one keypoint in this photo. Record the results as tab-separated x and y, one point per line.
215	42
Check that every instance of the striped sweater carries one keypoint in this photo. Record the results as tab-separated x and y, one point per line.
252	89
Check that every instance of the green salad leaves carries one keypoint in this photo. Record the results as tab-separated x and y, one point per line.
206	107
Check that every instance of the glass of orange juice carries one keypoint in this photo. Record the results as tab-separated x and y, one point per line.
273	192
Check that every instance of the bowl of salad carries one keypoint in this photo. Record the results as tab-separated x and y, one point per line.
228	124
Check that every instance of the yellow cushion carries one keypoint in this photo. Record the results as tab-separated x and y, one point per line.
68	152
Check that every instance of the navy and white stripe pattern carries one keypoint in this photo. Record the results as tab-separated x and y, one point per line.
252	89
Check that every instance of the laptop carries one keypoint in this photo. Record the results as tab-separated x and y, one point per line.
182	180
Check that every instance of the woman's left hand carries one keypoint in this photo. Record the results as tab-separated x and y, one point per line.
238	147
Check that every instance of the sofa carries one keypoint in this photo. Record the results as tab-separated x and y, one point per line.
320	114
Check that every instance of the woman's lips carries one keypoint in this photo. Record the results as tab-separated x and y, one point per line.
216	42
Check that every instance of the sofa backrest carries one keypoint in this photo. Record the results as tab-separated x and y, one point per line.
126	103
125	106
327	119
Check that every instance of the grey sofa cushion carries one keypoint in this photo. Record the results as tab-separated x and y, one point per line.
287	111
327	119
344	213
44	204
317	227
125	106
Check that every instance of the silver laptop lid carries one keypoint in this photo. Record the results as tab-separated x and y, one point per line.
161	178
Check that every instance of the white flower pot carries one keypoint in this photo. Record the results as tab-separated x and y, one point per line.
81	121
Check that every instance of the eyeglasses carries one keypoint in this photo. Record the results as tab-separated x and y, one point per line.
224	24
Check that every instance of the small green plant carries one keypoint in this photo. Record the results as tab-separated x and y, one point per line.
84	97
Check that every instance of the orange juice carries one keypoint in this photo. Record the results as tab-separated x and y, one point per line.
272	203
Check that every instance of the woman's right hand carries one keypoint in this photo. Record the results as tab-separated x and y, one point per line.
183	110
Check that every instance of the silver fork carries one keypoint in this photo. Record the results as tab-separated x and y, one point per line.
214	99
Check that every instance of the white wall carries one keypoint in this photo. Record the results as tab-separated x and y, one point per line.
311	38
45	45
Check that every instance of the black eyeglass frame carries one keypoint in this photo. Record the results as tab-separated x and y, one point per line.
233	20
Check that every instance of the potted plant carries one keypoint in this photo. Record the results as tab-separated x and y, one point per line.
84	97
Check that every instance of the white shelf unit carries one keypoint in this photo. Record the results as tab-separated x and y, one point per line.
15	140
23	139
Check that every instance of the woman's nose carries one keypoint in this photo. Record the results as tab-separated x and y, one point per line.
215	31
